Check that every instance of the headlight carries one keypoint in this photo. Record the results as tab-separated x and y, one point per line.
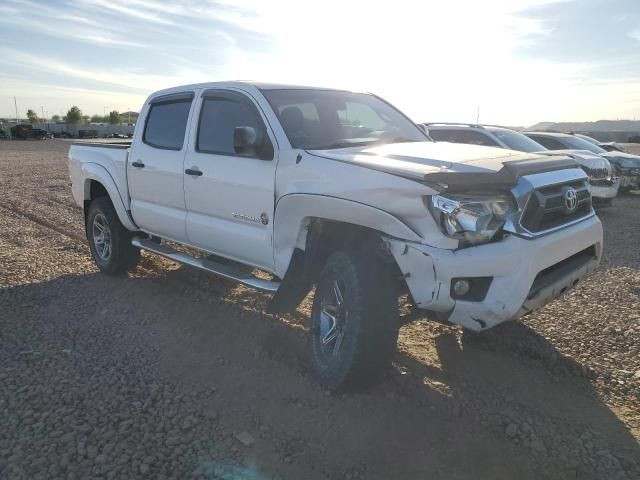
472	219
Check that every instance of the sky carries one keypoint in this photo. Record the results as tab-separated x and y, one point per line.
516	62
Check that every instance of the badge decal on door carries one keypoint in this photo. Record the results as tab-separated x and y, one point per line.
264	218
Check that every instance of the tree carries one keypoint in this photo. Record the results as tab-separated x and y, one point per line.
32	116
114	117
97	119
74	115
55	118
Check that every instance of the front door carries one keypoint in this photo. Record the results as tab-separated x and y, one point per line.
229	195
155	168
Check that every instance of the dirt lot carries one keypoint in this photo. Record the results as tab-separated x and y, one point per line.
172	374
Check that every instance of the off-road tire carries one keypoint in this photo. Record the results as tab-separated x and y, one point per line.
370	325
123	256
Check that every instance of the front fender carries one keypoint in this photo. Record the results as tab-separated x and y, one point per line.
294	211
94	171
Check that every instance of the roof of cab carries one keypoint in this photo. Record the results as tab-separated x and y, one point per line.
549	134
463	126
240	83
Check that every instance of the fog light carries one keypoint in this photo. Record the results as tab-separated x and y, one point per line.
461	287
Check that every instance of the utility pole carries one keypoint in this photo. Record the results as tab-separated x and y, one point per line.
42	112
129	113
478	116
15	102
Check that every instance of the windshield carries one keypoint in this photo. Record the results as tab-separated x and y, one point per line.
580	144
323	119
517	141
588	139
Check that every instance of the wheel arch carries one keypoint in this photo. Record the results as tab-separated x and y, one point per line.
308	228
98	182
296	214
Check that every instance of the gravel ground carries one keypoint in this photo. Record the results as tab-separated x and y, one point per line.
168	373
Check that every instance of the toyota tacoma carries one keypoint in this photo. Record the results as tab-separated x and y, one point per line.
340	193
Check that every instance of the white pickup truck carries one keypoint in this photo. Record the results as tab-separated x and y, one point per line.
342	192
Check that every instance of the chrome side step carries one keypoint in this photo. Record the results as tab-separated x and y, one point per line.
210	266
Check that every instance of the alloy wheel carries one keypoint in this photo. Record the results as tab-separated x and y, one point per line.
102	237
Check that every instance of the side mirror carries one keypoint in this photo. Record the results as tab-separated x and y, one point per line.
247	141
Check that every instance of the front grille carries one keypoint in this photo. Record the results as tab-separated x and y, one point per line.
547	207
596	173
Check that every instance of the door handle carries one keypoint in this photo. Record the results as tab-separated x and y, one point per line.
191	171
137	164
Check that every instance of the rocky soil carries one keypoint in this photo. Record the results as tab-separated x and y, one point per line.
167	373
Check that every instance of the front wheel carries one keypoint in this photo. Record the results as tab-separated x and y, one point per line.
109	241
354	321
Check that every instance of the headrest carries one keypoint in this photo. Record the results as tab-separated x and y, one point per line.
292	118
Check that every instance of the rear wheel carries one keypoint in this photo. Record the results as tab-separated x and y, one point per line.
354	321
109	241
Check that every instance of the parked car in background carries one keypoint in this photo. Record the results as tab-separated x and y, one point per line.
626	166
26	131
62	134
87	133
4	135
339	191
608	146
604	187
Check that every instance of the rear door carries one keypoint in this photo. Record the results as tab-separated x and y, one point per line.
230	196
155	168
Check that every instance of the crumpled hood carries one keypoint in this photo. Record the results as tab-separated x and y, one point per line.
430	160
584	157
623	159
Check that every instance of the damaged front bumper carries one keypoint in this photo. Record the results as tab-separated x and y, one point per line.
629	176
508	278
605	189
630	180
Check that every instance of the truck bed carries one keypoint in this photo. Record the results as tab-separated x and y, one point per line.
111	157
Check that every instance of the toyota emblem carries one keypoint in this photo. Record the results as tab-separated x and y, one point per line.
570	199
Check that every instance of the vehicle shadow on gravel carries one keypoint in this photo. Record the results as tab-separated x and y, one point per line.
516	384
477	411
511	381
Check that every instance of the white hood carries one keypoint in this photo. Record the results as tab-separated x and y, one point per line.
418	159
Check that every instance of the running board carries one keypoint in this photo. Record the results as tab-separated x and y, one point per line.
210	266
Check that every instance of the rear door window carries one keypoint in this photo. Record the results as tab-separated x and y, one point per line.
442	135
167	123
474	138
548	142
